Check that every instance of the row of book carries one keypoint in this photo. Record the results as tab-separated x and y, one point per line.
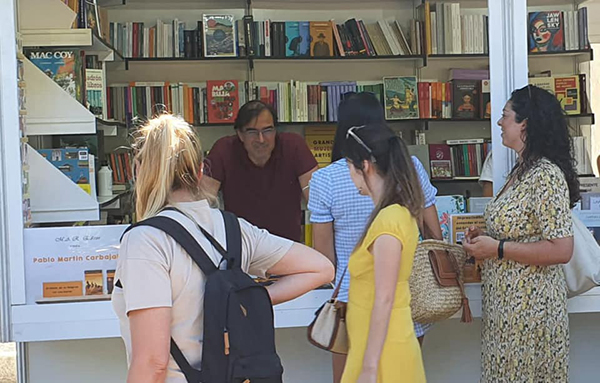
122	171
447	31
458	159
403	97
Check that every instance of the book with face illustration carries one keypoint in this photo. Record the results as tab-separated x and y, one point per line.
546	31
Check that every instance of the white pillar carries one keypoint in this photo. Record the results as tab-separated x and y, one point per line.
508	71
11	213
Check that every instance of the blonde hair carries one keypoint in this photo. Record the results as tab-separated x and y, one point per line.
168	158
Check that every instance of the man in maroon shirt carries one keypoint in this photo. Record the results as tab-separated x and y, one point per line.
261	173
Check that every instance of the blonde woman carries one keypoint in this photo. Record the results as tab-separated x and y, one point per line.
162	289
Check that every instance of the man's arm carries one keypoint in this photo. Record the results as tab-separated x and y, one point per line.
323	240
431	223
304	180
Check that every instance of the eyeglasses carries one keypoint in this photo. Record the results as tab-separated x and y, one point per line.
255	133
351	133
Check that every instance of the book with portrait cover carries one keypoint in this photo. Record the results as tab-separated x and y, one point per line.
546	31
220	39
321	35
401	98
223	101
64	66
465	98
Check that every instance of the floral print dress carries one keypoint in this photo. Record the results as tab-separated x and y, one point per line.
525	331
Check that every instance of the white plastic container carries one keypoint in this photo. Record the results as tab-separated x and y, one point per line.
105	182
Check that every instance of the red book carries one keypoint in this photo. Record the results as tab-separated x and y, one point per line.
264	94
440	161
223	101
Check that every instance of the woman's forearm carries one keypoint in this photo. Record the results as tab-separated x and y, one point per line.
541	253
292	286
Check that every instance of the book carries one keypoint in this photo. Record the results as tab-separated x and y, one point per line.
321	35
92	17
486	102
94	87
401	98
304	38
568	94
64	66
320	142
293	39
447	206
546	31
546	83
223	101
465	98
220	39
440	161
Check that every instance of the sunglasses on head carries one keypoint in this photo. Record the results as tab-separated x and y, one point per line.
351	133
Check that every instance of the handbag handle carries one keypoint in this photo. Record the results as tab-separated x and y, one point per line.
466	310
339	285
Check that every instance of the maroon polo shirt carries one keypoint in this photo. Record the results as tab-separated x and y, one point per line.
268	197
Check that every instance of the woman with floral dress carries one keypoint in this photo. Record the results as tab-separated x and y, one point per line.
525	335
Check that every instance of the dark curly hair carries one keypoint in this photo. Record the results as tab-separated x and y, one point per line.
546	135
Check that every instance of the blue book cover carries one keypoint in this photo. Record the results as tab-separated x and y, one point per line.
446	206
304	38
293	39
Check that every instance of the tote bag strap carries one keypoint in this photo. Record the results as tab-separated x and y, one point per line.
339	285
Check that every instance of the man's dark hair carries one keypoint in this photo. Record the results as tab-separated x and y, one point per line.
250	111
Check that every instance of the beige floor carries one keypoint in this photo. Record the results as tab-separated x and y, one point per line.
7	363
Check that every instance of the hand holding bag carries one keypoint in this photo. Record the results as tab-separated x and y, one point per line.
582	273
328	330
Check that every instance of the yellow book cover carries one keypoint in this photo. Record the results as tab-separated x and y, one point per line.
320	142
568	93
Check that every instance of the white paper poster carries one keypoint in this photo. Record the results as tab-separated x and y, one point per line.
71	263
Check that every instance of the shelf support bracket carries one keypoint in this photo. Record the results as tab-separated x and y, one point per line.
508	71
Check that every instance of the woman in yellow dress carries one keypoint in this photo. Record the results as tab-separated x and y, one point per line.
383	345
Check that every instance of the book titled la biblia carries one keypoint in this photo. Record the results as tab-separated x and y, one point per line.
223	101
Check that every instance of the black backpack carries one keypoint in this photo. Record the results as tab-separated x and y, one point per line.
239	336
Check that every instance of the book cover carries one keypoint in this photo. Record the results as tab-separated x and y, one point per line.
94	87
546	31
219	36
546	83
440	161
447	206
567	92
223	101
320	142
304	39
401	99
93	282
64	66
292	39
92	17
465	98
486	102
321	36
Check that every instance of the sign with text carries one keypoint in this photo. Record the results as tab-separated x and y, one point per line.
71	262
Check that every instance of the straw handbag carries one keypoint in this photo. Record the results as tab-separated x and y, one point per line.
436	282
328	330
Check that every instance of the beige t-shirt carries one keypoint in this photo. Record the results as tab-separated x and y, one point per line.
156	272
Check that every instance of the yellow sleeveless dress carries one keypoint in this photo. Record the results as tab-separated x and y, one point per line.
401	359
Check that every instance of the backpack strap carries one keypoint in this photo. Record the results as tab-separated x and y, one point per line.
183	238
234	240
191	374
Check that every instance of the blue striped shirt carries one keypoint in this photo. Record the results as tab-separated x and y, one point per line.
334	198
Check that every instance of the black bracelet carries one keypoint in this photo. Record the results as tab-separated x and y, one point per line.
501	249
